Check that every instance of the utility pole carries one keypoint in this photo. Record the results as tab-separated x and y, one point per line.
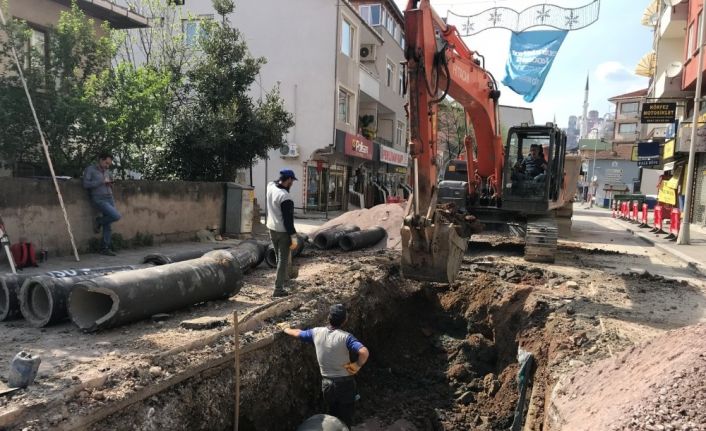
684	237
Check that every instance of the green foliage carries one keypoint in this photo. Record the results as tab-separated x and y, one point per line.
366	123
74	54
452	129
218	128
167	108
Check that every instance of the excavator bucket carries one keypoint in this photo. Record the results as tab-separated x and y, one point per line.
432	253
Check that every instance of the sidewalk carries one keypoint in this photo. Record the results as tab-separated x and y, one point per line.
694	254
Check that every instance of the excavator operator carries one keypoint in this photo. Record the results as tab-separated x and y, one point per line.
532	167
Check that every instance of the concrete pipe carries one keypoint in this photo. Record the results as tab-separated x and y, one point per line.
163	259
10	285
328	239
271	256
362	239
43	299
249	254
126	297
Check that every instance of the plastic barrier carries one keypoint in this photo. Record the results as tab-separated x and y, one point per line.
643	216
658	218
674	224
634	216
614	209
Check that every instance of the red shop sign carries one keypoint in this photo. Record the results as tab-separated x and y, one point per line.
358	146
393	157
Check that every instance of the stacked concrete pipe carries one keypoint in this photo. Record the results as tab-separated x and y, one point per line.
328	238
163	258
121	298
10	285
43	298
271	255
362	239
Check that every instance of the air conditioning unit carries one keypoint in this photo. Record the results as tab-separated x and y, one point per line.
289	150
368	52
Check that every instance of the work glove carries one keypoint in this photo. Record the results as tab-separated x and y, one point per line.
352	368
283	325
295	242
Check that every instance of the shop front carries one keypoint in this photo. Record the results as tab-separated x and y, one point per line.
394	163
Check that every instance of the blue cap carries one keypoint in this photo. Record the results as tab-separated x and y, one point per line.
287	173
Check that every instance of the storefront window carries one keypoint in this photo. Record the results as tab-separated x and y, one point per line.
325	188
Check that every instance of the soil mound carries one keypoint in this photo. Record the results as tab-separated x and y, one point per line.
655	386
388	216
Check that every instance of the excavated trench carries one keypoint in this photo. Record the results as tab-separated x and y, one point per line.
443	357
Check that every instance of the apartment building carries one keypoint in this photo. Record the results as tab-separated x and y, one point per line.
338	68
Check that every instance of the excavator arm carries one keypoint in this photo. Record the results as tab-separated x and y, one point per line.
439	64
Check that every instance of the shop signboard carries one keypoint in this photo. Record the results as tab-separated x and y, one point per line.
684	140
358	146
647	153
668	151
393	157
658	112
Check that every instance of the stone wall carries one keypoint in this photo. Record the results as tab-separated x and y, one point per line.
168	211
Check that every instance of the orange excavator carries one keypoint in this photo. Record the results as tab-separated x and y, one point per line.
451	200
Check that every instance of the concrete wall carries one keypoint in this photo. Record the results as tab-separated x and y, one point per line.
43	13
166	210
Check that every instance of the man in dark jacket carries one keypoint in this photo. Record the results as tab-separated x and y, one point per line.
99	183
280	222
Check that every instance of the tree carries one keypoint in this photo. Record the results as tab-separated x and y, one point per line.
56	77
452	129
218	128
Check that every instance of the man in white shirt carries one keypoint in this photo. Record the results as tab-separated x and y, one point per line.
280	222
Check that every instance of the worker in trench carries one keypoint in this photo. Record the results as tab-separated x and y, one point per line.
280	222
334	349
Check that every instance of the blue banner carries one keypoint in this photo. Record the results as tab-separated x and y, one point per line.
531	56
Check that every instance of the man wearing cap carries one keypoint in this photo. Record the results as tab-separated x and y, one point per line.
334	348
280	222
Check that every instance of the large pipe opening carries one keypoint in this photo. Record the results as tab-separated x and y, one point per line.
346	243
87	307
36	302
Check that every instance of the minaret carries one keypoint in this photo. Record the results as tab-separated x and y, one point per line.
584	121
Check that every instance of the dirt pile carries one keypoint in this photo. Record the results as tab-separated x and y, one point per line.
655	386
388	216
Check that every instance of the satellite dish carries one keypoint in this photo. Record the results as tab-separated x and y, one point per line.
674	68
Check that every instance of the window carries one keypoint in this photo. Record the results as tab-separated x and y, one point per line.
400	82
691	41
627	128
36	49
400	134
344	105
347	38
390	73
371	13
193	29
629	108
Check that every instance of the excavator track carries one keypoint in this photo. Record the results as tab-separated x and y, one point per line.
541	240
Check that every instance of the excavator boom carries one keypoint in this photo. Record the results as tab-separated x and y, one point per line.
435	237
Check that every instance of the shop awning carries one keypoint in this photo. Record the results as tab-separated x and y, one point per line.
650	16
646	66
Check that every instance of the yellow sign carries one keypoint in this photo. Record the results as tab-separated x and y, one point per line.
633	156
667	196
668	150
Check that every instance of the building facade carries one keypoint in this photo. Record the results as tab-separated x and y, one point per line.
338	68
673	68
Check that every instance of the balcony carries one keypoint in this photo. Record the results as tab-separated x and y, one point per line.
673	21
369	84
665	86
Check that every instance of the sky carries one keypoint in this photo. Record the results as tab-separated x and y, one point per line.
607	51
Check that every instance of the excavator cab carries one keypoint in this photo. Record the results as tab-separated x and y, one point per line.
534	168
